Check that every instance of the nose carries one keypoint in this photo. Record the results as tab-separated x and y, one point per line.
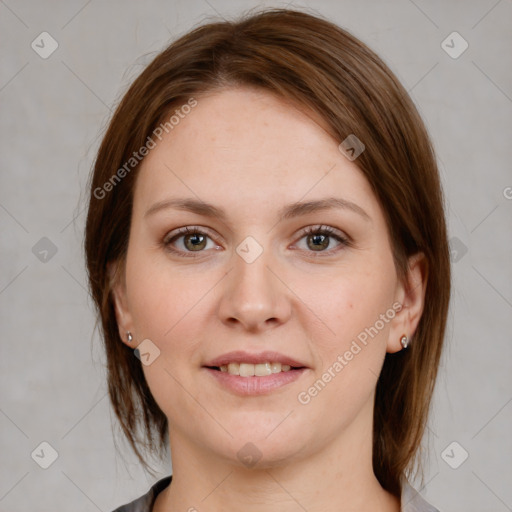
254	298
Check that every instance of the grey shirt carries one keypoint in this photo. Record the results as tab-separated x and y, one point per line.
411	499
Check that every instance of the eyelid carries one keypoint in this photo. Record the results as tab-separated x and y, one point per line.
332	231
185	230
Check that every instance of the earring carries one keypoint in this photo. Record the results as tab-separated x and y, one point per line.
129	337
404	340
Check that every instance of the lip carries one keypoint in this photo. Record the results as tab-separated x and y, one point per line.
241	356
252	386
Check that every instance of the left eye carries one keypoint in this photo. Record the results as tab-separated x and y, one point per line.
318	238
195	240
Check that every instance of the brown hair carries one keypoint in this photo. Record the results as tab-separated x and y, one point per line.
316	64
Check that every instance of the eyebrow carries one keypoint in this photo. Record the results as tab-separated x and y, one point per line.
288	212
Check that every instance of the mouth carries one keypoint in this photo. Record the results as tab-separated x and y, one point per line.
250	374
255	370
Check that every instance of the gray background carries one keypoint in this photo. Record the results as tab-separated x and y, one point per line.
53	112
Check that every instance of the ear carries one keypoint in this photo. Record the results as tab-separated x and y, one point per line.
119	298
411	296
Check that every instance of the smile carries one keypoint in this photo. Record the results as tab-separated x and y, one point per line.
251	370
252	384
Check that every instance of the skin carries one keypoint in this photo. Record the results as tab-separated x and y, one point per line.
250	153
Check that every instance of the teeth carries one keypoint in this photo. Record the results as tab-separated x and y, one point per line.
250	370
245	369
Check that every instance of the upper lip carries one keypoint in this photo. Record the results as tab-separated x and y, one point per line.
240	356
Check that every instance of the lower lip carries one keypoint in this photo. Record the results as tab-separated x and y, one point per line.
250	386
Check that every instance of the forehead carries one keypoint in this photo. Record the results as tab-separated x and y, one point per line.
247	125
247	146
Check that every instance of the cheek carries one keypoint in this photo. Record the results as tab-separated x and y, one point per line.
351	340
162	301
168	308
348	302
349	358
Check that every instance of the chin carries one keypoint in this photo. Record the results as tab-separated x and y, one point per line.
260	448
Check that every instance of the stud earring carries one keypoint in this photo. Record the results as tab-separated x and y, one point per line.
404	340
129	337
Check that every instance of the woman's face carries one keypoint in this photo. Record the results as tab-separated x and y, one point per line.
258	181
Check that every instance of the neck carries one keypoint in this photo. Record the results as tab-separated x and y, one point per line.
338	478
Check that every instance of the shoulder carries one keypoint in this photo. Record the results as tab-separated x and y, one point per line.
145	503
412	501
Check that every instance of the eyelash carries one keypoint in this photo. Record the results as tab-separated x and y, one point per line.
311	230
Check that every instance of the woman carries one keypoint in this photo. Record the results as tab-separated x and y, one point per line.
267	250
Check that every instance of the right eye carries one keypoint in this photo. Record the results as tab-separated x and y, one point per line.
190	238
